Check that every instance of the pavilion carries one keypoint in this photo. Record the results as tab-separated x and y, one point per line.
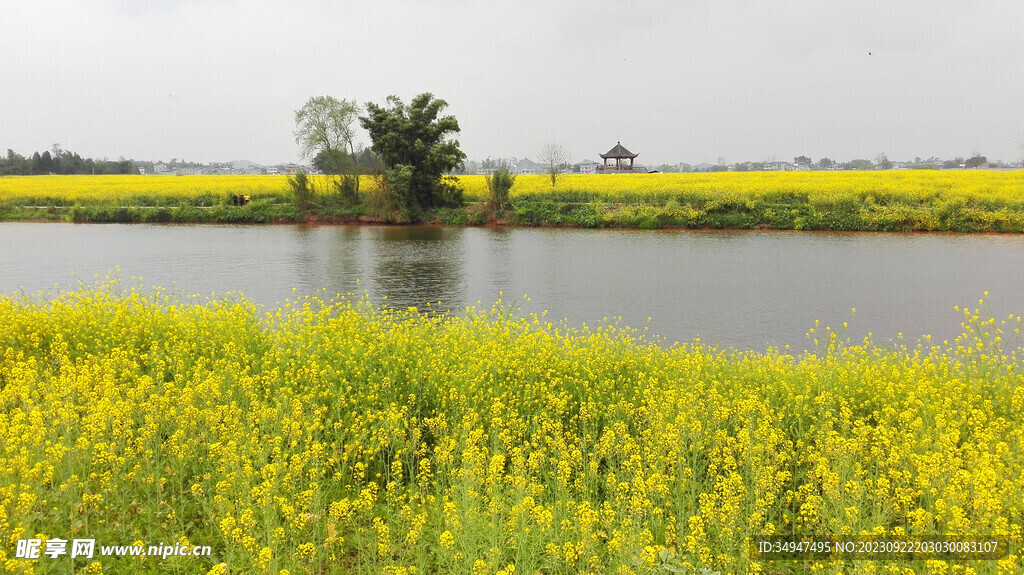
618	153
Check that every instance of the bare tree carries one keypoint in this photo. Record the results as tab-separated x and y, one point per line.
554	158
499	183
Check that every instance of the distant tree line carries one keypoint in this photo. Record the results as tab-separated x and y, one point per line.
881	162
59	161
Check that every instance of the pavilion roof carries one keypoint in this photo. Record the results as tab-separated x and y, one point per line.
618	152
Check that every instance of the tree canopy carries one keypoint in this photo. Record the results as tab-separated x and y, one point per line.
324	131
363	162
416	137
975	161
325	127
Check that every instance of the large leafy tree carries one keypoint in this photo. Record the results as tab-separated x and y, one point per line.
415	142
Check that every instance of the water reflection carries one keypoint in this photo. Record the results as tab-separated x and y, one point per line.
417	266
333	259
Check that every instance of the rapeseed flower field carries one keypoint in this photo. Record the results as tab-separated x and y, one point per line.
333	436
895	200
135	190
984	186
819	187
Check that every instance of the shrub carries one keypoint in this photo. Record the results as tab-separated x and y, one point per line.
391	198
302	191
449	192
499	184
348	189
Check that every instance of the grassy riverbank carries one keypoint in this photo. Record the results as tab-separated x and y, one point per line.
335	436
907	200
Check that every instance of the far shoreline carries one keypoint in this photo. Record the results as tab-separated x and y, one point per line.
965	201
371	221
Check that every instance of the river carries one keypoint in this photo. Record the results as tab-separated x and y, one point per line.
744	289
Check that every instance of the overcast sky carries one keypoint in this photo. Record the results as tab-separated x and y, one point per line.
673	80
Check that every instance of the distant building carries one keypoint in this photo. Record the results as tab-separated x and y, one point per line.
527	166
618	154
588	167
779	167
703	167
507	163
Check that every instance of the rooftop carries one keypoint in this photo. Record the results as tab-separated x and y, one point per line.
619	152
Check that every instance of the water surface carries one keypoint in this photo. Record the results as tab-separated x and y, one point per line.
742	289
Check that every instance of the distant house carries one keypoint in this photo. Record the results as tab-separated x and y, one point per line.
588	167
507	163
779	167
159	168
527	166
